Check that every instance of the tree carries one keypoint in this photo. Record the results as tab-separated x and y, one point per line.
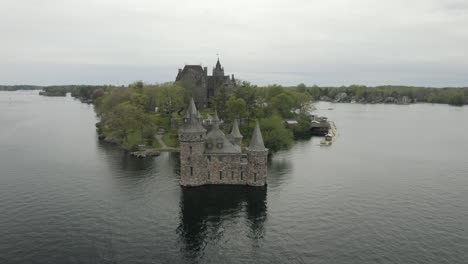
283	103
302	129
170	97
235	108
248	93
220	100
275	135
124	118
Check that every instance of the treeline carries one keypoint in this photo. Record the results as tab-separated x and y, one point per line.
270	105
19	87
83	92
131	115
388	94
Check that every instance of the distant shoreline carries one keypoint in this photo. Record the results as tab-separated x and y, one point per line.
345	94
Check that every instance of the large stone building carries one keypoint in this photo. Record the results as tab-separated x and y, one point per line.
211	157
203	86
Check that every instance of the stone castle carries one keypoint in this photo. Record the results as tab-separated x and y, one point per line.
214	158
203	86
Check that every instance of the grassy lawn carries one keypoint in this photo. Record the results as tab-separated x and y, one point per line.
170	139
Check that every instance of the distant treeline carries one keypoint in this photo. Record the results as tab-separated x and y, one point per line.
19	87
352	93
83	92
388	94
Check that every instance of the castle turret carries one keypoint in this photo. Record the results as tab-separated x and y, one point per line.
218	70
235	136
257	156
192	138
191	110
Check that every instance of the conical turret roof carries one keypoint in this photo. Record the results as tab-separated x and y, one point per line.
235	133
192	124
215	120
218	64
192	109
256	143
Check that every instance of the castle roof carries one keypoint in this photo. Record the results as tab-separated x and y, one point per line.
192	124
256	143
225	146
216	117
218	142
195	70
192	109
235	133
218	65
193	67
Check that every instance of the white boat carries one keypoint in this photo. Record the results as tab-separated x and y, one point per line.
327	141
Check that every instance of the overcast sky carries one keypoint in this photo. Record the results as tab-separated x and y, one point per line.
333	42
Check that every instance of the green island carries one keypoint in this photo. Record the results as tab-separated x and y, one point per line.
149	114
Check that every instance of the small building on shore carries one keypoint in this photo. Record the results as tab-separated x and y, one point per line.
211	157
319	126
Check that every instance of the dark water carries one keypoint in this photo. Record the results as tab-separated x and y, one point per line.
392	189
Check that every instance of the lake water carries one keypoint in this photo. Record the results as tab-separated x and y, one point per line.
393	188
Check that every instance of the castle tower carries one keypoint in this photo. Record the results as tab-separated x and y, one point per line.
192	137
257	156
235	136
218	70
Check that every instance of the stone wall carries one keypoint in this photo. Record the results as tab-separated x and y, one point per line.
192	159
257	168
226	169
198	168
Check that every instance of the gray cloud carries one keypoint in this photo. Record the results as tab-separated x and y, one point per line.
414	42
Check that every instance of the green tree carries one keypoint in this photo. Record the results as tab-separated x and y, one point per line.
123	119
220	100
275	135
235	108
283	103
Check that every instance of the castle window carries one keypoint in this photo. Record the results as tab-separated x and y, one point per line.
190	147
209	145
219	145
209	157
232	175
255	177
209	174
191	171
220	175
242	175
201	136
189	159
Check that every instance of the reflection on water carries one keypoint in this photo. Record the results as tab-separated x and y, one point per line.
372	197
125	162
205	213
